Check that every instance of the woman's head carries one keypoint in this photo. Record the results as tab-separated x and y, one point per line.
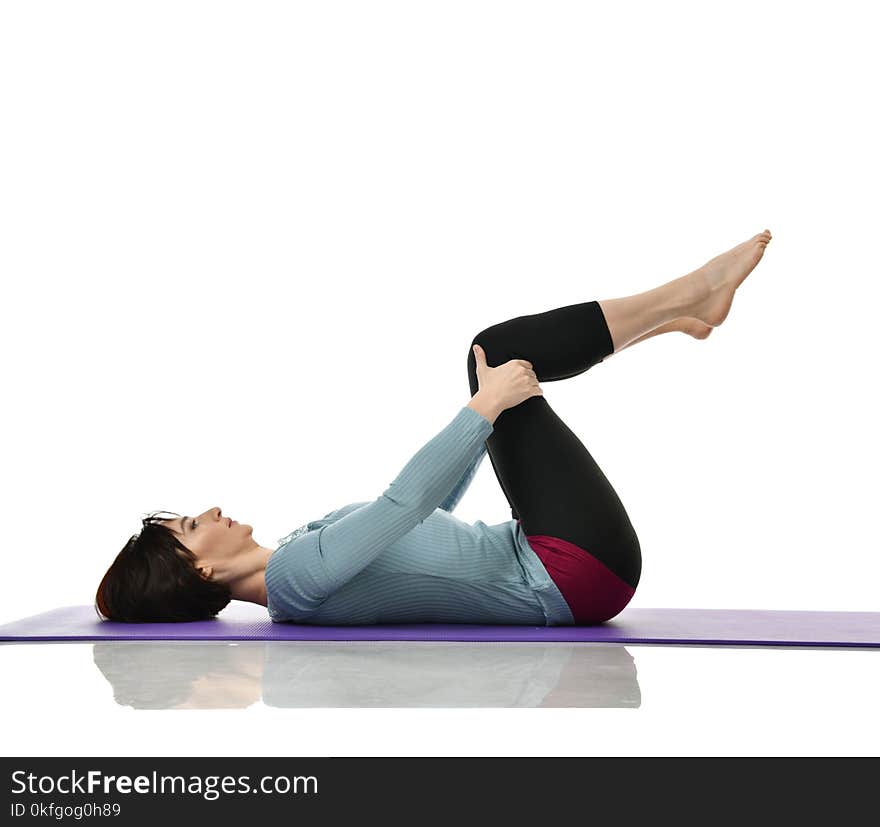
176	569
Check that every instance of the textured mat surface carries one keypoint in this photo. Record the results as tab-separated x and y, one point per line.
244	621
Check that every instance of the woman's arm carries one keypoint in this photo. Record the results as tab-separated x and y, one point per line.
486	404
326	559
461	487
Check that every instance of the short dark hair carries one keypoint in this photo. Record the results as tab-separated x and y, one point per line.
154	580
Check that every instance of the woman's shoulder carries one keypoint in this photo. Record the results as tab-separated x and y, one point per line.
312	525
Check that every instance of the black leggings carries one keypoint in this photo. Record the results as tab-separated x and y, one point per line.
551	481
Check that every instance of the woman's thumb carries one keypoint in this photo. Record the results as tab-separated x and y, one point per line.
479	355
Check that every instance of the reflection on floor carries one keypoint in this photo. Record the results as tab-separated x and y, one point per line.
196	675
303	697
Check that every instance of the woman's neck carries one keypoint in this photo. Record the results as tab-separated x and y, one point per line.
250	584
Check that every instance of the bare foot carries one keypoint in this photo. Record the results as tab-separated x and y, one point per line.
693	327
683	324
718	279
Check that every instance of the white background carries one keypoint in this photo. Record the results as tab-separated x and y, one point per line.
245	247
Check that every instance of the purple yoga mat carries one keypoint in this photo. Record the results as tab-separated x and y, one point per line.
245	621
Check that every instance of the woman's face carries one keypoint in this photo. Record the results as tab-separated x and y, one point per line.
213	538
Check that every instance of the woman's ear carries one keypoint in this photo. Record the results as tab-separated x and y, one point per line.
205	571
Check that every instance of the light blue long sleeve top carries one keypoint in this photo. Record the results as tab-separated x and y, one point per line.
404	557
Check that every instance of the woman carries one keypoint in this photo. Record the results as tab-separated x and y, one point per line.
569	555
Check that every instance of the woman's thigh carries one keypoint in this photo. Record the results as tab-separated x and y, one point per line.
554	486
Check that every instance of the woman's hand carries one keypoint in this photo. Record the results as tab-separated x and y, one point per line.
508	384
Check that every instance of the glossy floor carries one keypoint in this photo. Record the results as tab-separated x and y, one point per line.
630	699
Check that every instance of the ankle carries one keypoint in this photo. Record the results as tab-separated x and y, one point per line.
681	297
